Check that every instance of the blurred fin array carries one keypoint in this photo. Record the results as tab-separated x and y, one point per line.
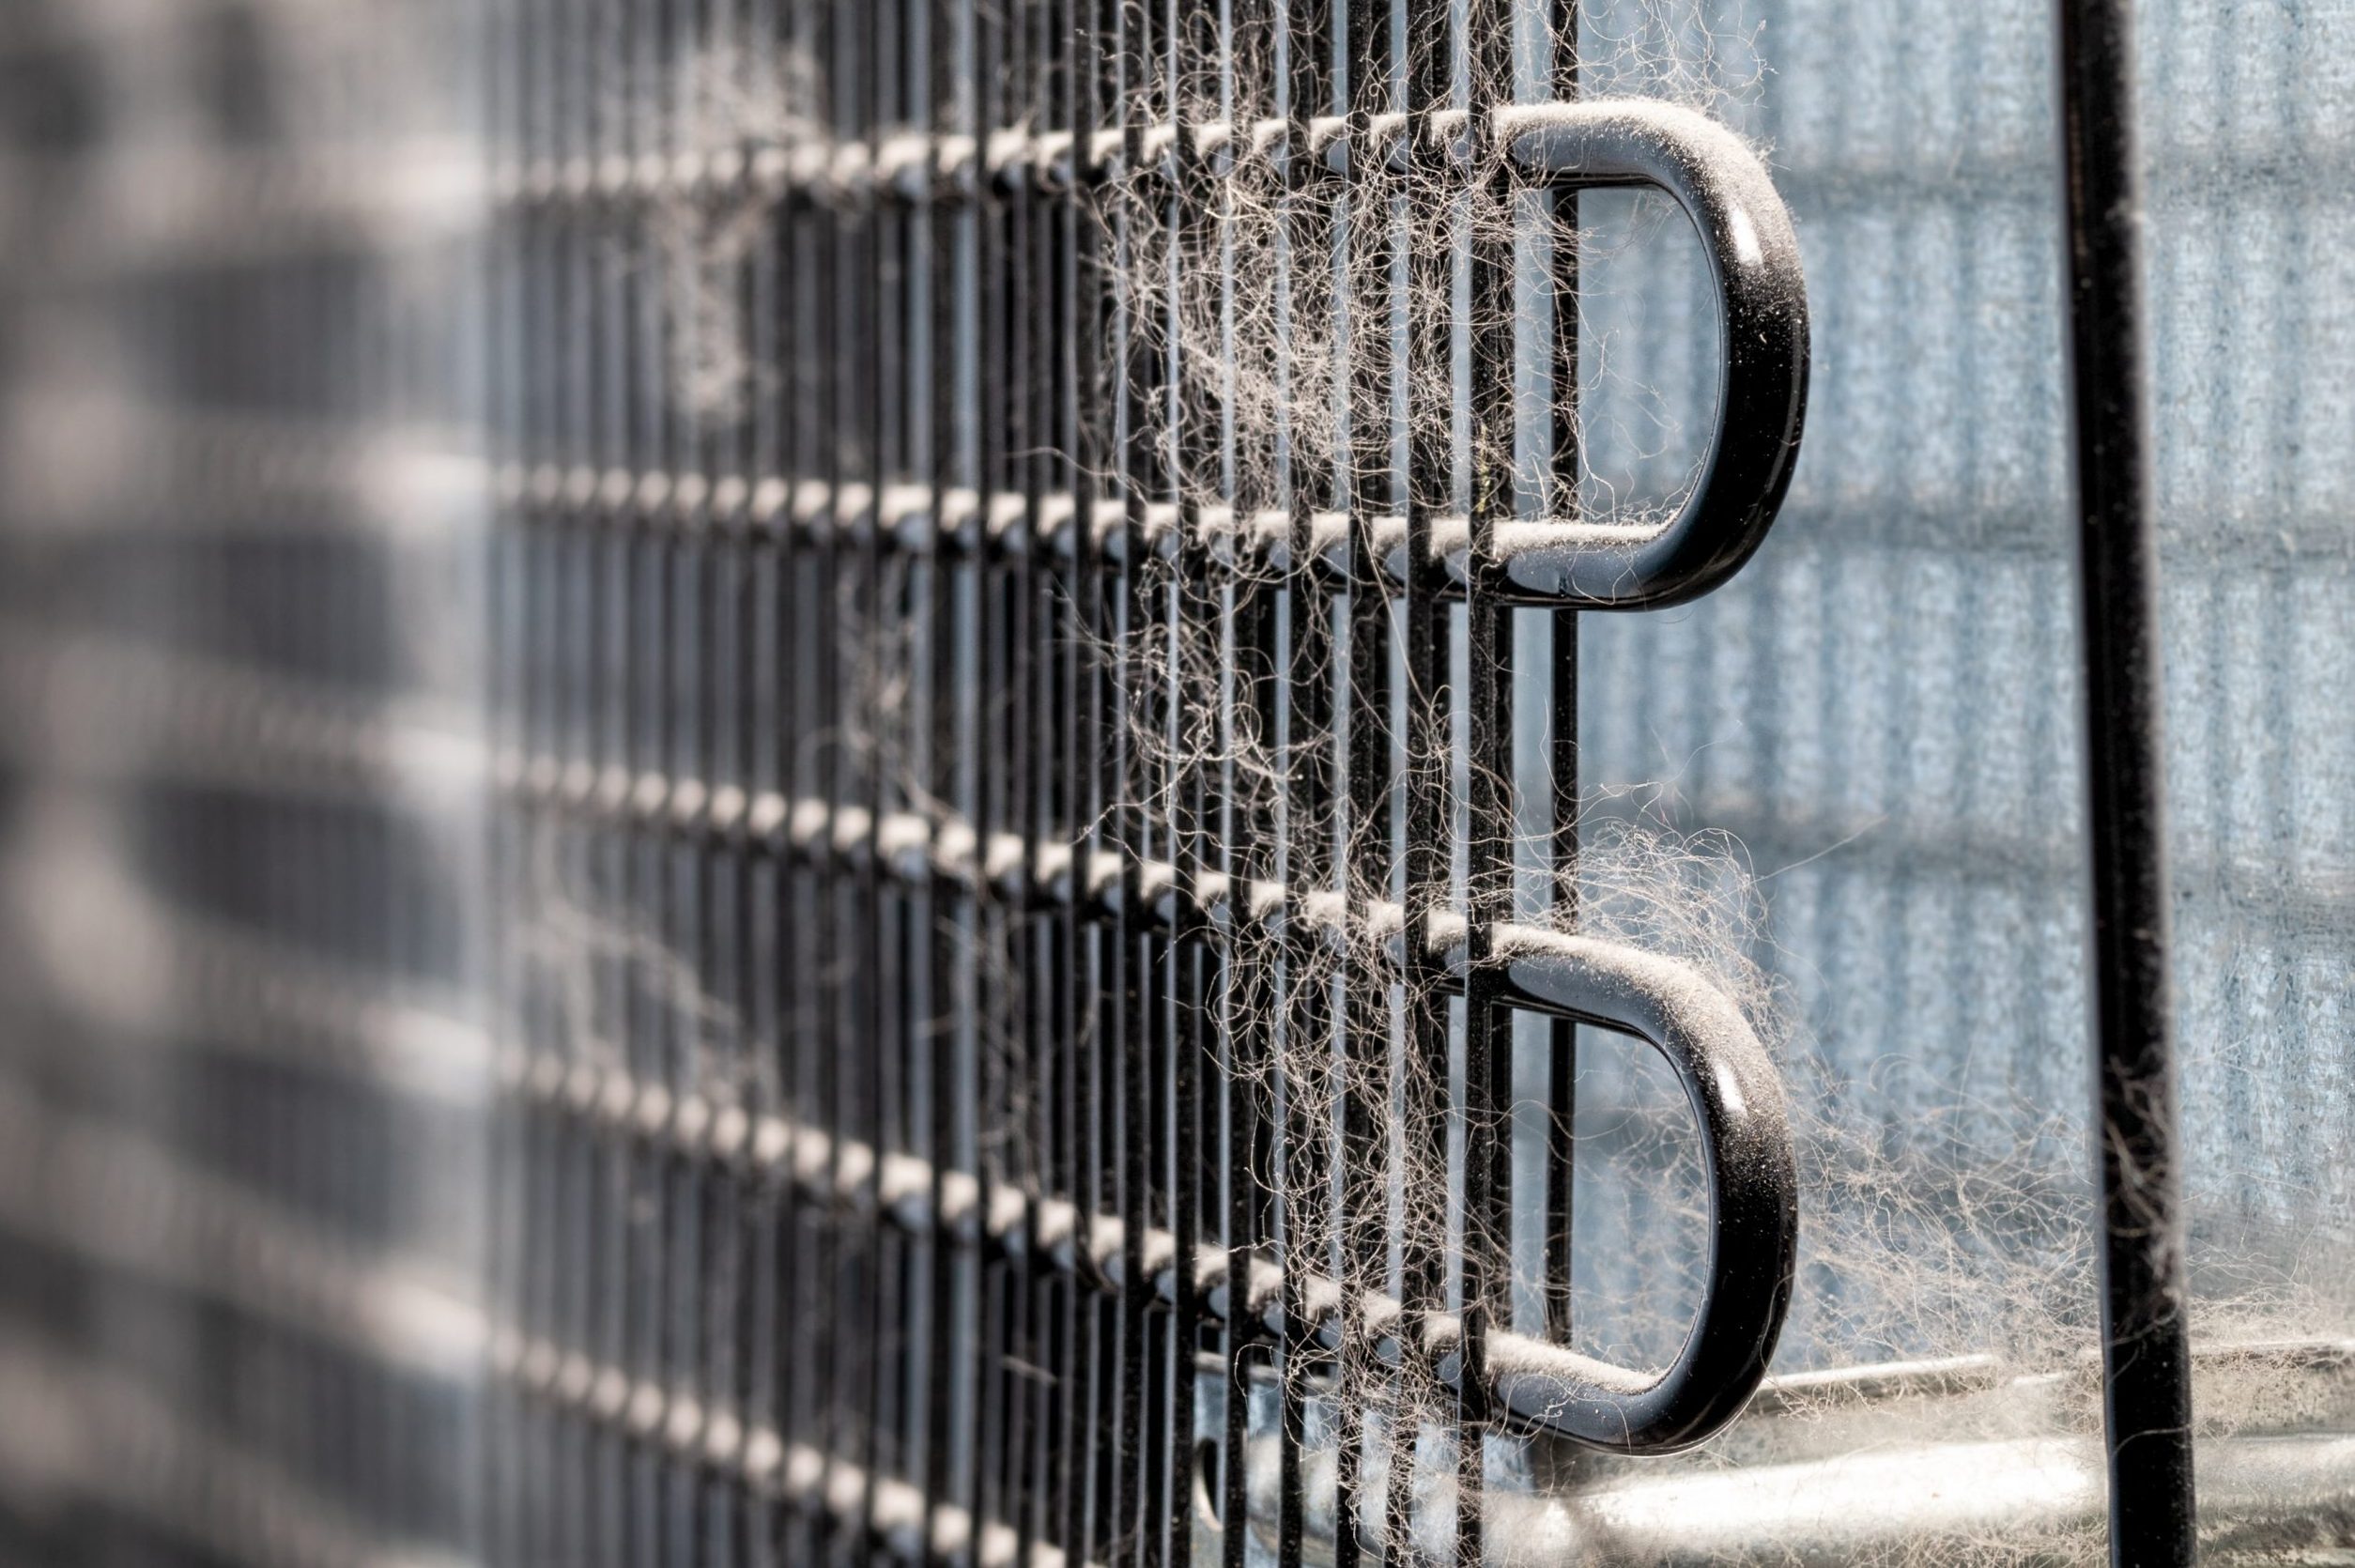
241	1073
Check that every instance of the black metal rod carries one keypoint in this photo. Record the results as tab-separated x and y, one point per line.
1489	807
1250	849
1192	56
1074	316
1032	760
950	22
2145	1347
1055	233
1364	1147
1096	380
801	346
1427	1095
1564	489
1303	821
1135	685
868	428
996	740
835	1257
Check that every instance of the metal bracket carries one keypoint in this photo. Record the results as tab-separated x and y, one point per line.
1737	1102
1762	360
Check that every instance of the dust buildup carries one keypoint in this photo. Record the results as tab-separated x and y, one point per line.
1256	332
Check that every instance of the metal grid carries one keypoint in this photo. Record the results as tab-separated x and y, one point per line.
909	1154
896	1156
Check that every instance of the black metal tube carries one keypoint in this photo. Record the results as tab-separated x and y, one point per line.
1245	848
1306	680
1131	981
1488	806
951	22
1191	52
2145	1348
1565	490
1365	853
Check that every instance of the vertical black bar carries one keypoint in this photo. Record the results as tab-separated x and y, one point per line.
1562	494
612	245
947	214
837	308
1134	764
510	1450
1303	851
1488	815
1003	721
1365	861
640	447
1057	813
1249	859
1026	758
1043	808
617	1190
733	1091
874	413
528	1130
1073	228
1095	378
690	764
1431	489
768	784
803	252
1190	58
2145	1335
792	284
